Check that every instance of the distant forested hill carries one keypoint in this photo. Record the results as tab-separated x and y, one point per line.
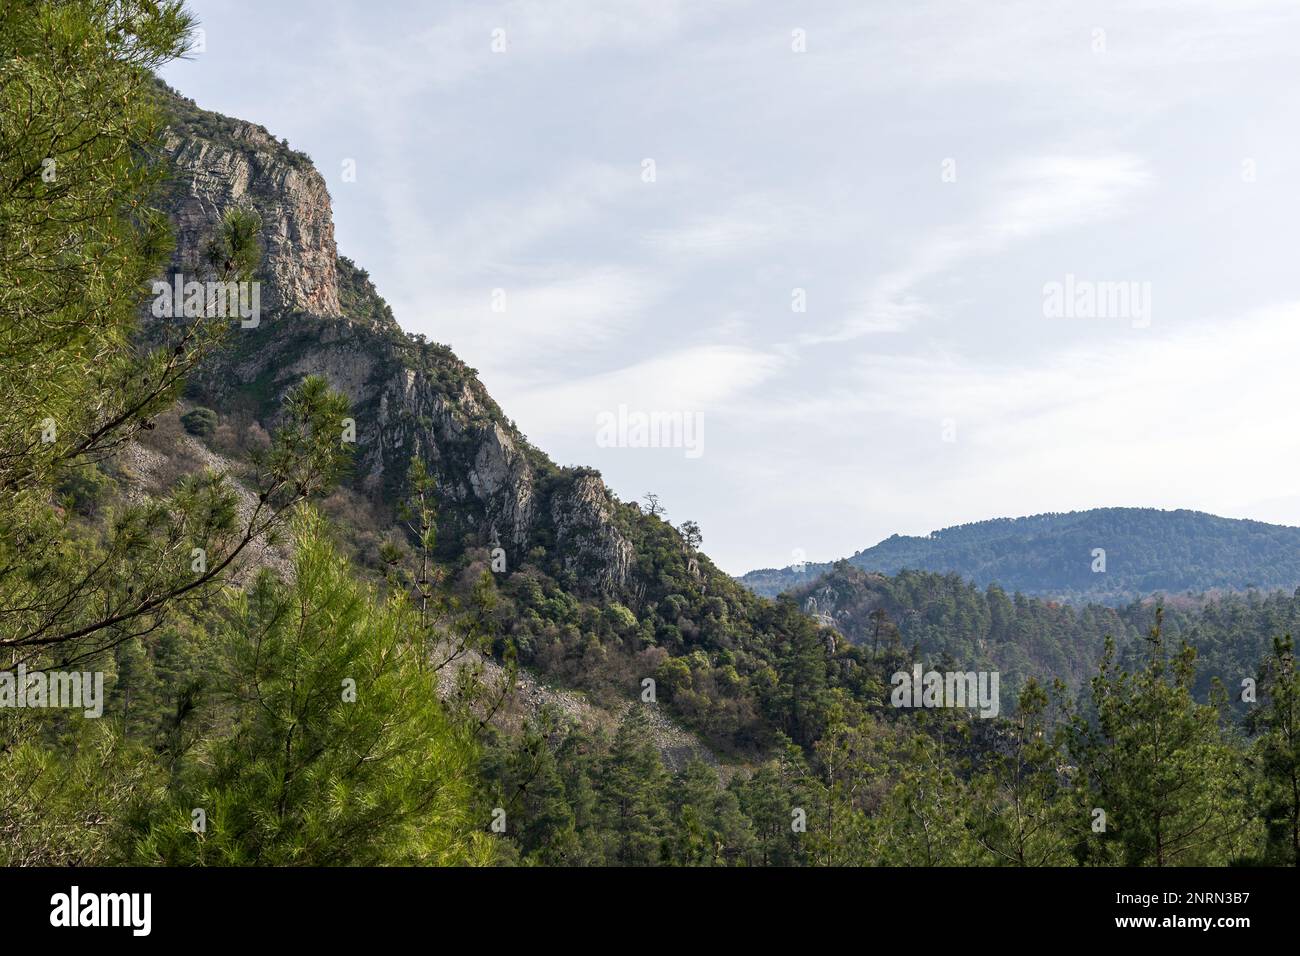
944	618
1145	550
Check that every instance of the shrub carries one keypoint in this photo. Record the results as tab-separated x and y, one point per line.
200	421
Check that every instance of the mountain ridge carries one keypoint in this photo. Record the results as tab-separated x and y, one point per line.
1143	551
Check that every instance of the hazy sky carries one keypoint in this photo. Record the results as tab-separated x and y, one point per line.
922	171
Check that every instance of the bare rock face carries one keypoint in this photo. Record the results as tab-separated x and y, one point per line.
485	481
322	316
592	547
247	167
823	606
502	479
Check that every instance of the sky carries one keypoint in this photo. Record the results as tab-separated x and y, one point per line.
897	265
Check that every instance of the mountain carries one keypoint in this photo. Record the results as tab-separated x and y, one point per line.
1146	551
323	316
599	600
592	593
410	397
595	595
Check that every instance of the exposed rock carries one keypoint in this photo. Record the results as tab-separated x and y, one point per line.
247	168
322	316
585	535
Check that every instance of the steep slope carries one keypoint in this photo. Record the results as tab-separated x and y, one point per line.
1146	551
595	594
322	315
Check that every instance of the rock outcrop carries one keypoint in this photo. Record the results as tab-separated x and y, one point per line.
225	164
591	548
322	316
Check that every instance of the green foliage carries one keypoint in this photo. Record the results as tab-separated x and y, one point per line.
358	297
1276	752
319	718
67	805
80	126
77	117
200	421
1159	765
1019	636
86	593
1022	815
84	489
339	750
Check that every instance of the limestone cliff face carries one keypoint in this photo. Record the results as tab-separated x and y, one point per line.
822	605
322	315
590	546
239	164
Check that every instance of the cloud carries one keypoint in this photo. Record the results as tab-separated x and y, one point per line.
1035	197
705	379
1201	417
498	232
741	226
543	325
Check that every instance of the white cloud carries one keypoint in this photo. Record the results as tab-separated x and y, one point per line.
1035	197
741	226
544	325
704	378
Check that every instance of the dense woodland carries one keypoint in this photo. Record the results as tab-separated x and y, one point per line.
356	705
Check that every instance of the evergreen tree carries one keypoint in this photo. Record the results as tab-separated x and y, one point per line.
925	819
1021	816
1157	764
1276	753
79	244
634	786
799	701
69	804
708	828
339	752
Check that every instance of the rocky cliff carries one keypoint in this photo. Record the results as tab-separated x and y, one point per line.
219	163
322	315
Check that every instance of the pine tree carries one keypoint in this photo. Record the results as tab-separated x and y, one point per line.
1157	764
339	751
925	819
800	702
634	789
79	244
531	791
708	828
1276	753
1021	816
69	804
